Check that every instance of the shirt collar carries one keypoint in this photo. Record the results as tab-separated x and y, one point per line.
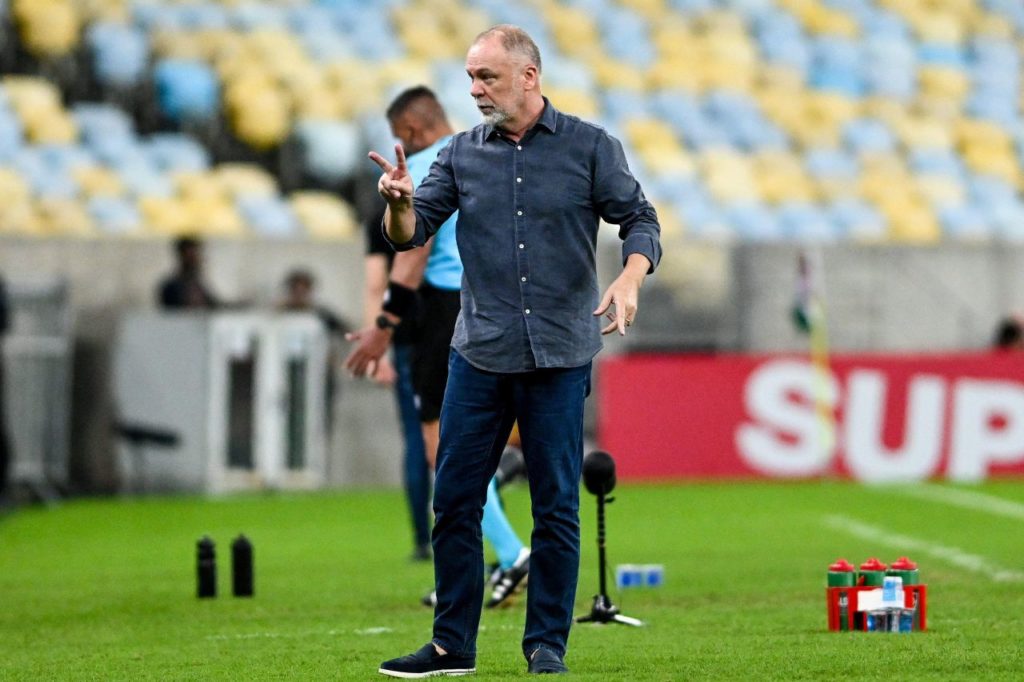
548	119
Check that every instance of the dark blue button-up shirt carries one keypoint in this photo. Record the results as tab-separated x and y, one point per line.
527	234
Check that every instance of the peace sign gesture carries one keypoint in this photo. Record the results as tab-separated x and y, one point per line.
395	185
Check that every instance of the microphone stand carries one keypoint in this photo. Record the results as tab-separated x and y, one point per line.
603	610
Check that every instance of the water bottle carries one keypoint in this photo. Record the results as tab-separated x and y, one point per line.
841	574
241	567
206	568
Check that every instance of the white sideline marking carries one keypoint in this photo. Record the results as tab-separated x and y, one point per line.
968	499
953	555
319	633
373	631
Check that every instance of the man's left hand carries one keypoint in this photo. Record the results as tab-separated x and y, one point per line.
623	295
371	345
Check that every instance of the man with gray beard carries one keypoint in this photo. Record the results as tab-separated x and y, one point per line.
531	185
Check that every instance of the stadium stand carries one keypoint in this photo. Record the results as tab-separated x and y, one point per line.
764	120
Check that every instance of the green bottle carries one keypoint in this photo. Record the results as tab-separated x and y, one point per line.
872	573
841	574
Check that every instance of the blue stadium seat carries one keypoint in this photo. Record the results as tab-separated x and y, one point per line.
114	216
120	54
268	216
186	90
177	152
332	149
868	135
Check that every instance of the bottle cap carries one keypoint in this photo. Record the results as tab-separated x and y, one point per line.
903	564
872	564
841	566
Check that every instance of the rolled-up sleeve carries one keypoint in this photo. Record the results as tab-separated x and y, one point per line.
620	201
434	201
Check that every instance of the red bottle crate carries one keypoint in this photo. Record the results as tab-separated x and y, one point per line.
857	620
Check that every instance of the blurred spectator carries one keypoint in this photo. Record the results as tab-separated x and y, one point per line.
5	453
299	297
185	289
1009	334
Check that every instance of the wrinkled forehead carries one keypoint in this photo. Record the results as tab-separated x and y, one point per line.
488	52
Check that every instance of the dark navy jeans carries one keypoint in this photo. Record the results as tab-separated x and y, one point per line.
476	418
417	473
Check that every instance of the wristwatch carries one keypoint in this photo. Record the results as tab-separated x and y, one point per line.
384	322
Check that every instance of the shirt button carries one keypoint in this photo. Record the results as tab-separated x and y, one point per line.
527	311
519	213
519	147
522	246
523	279
519	179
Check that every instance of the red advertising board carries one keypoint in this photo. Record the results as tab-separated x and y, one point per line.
868	417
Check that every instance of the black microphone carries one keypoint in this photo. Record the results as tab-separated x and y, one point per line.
599	473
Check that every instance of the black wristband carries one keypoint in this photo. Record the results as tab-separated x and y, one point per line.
399	300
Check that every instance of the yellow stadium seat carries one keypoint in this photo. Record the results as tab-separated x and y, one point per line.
573	29
925	132
245	179
940	190
64	217
55	126
729	176
940	27
96	181
405	72
199	185
611	73
212	217
914	223
994	161
781	177
13	187
357	86
580	102
988	25
177	44
652	10
671	222
324	215
673	73
48	28
944	81
165	216
970	132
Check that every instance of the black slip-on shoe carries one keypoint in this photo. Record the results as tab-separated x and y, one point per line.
545	661
428	663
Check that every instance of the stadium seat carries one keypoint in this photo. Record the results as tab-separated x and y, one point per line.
324	216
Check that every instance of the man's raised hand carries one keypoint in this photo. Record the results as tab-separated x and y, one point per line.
395	184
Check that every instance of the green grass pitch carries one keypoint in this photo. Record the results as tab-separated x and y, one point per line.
105	589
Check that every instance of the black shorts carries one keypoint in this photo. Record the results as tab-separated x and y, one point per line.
436	315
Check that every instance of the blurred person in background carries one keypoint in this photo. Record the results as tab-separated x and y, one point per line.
300	297
397	371
531	185
1009	334
425	285
5	451
185	288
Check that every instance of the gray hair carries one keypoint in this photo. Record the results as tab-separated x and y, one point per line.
515	41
